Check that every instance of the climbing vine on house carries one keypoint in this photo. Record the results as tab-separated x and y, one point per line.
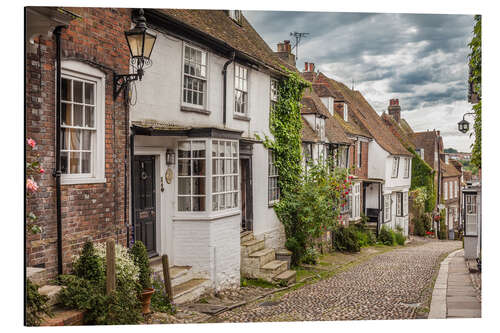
309	202
422	176
475	79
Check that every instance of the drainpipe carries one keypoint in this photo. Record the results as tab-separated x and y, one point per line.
57	170
224	89
131	168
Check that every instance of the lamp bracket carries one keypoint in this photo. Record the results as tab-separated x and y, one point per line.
121	81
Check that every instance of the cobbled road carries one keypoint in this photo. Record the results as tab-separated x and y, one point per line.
387	286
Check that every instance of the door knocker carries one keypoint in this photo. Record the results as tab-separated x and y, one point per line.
161	184
169	174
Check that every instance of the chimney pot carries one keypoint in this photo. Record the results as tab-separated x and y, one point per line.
306	67
311	67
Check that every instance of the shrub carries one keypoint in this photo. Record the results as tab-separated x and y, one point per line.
141	260
442	229
366	238
159	300
386	236
36	305
346	239
310	256
87	290
399	238
419	226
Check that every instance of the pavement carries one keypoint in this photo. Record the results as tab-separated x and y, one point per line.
454	295
392	285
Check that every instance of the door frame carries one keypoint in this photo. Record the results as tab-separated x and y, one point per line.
158	154
245	153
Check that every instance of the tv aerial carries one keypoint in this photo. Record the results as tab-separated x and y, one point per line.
298	36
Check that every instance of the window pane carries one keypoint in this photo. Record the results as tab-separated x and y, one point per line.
235	199
184	167
198	148
184	204
74	163
89	93
215	202
184	185
89	116
66	114
184	150
78	91
199	185
64	162
235	166
66	89
77	115
214	148
86	162
198	204
215	182
86	140
75	136
198	167
64	138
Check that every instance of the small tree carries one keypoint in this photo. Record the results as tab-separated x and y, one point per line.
141	260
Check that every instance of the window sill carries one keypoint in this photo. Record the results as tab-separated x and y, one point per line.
192	109
196	216
75	181
241	117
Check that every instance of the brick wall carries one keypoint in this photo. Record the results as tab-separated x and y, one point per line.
89	211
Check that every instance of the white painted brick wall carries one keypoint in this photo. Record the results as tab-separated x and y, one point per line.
191	245
225	244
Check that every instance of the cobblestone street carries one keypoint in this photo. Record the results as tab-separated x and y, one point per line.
391	285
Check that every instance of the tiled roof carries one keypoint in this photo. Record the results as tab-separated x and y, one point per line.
449	170
326	91
427	141
368	118
308	134
218	25
399	130
334	131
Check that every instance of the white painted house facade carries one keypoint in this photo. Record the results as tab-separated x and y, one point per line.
199	174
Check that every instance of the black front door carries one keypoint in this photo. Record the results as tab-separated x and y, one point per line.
246	193
145	201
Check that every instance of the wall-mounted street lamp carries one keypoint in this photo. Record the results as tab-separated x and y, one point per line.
140	44
463	125
170	157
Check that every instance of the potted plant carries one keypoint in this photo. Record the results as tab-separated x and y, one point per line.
141	260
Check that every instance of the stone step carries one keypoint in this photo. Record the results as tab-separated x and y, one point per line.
51	292
287	276
252	246
246	236
64	317
190	290
178	274
274	267
37	275
264	256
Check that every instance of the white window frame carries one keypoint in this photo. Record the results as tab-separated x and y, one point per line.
395	167
387	207
355	200
358	151
399	204
242	90
272	173
191	159
346	112
471	225
407	168
77	70
405	203
204	106
331	103
445	190
456	188
235	15
225	179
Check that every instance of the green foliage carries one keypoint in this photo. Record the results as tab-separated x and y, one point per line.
475	63
422	175
86	290
159	300
399	237
450	150
386	236
366	238
310	256
419	229
36	305
346	239
442	232
141	260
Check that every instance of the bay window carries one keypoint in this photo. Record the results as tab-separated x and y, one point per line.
191	171
194	91
395	167
224	174
82	123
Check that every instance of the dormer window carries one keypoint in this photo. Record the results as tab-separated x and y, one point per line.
346	112
330	105
235	15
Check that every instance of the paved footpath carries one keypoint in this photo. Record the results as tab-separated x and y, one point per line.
388	286
454	295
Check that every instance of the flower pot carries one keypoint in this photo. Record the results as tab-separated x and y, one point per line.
146	300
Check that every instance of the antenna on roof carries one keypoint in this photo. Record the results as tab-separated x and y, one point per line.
352	84
298	36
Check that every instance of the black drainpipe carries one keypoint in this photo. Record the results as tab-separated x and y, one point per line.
224	72
131	168
57	170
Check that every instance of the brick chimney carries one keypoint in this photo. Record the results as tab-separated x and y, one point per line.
285	52
394	109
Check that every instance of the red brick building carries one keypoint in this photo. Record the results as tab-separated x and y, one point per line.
94	129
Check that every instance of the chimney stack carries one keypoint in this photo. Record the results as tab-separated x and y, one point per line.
285	52
308	66
394	109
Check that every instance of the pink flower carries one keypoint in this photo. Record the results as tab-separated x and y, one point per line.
31	142
350	177
42	170
31	185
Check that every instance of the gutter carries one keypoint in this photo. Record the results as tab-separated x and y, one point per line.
57	170
224	88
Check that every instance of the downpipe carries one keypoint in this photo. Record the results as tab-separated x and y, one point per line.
224	89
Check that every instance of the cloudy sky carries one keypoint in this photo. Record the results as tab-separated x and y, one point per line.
419	58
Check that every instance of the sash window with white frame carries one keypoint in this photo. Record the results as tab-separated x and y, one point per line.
387	207
456	188
273	93
240	90
445	189
346	112
407	168
194	92
273	189
82	123
471	215
191	189
395	167
405	203
355	200
358	149
399	203
224	174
